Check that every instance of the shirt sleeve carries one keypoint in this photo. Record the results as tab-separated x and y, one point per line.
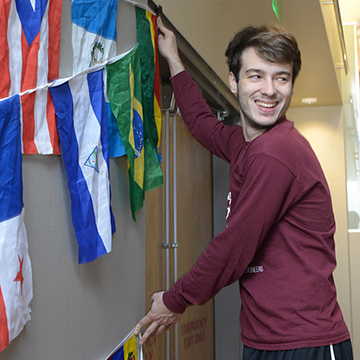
260	204
202	123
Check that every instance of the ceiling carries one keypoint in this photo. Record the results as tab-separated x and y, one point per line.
319	76
350	10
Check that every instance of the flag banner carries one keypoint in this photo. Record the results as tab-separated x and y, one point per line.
93	32
81	120
30	33
125	95
117	147
94	42
147	31
126	350
15	268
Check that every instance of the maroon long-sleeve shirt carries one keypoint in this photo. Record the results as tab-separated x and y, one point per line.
279	239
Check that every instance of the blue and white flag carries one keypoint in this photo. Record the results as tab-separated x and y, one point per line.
81	120
93	32
94	42
15	268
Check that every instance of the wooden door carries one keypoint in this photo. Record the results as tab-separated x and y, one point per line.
194	336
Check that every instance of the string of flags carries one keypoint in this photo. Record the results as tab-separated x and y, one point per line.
108	108
128	349
15	268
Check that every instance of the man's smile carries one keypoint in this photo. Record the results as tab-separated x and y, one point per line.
265	104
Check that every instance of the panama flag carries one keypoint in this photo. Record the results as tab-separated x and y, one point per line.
29	58
81	117
15	267
127	350
93	32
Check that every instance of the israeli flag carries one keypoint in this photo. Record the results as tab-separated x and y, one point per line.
82	124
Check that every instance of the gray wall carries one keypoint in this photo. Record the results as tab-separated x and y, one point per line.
227	301
79	311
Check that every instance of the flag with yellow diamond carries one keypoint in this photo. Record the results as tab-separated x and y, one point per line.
124	91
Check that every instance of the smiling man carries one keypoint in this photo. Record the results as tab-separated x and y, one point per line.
264	90
279	239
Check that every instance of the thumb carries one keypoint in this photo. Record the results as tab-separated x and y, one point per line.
164	31
159	22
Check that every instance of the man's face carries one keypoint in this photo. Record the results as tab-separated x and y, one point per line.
264	90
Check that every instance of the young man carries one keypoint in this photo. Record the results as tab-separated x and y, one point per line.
279	239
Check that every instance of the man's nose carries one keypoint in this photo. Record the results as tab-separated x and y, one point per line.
269	88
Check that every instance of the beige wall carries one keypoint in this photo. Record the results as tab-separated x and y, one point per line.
204	25
324	129
354	245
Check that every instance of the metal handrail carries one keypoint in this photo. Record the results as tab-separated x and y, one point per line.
341	32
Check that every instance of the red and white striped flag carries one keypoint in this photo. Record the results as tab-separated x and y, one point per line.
29	58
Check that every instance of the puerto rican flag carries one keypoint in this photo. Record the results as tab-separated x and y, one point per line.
29	58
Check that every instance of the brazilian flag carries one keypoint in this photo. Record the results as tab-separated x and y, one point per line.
147	34
124	91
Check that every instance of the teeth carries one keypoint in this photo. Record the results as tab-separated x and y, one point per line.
267	105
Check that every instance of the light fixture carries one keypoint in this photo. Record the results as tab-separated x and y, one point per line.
309	100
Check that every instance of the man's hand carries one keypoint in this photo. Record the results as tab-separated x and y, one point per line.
167	46
159	317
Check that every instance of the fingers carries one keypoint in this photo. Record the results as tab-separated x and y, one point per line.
155	329
149	331
159	330
143	322
164	31
159	317
160	24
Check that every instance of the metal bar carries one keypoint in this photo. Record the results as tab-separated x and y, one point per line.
202	73
175	243
340	32
167	203
341	35
167	219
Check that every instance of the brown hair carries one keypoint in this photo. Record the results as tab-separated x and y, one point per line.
270	43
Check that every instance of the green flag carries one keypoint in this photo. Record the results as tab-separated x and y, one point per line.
146	30
124	90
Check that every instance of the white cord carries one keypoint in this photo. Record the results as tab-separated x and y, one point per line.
332	352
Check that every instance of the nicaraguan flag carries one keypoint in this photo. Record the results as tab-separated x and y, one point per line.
30	32
81	117
93	32
94	41
15	267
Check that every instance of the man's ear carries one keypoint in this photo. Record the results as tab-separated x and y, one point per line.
232	82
